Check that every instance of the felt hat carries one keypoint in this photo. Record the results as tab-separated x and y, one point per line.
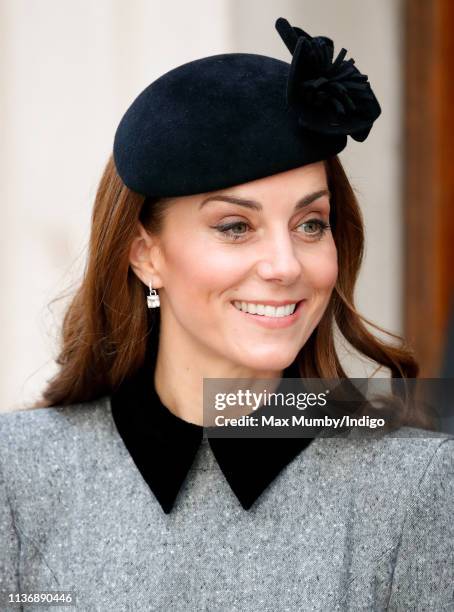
228	119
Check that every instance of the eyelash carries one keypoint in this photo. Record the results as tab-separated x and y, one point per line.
225	229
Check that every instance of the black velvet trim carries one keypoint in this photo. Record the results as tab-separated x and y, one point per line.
163	446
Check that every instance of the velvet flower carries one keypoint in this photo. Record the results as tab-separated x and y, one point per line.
330	97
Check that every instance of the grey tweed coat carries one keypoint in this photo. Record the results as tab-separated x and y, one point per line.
349	524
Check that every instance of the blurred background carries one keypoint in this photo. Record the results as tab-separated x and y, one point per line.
69	70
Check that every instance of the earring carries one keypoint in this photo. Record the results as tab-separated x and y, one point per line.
153	300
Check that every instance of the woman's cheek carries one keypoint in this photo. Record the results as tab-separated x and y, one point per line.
321	270
331	274
191	270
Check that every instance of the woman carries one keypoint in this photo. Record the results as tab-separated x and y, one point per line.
225	200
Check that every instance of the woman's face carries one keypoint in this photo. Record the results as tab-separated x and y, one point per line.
245	274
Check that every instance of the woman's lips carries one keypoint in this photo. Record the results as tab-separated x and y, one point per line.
273	322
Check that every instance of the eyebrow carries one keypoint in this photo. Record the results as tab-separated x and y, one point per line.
305	201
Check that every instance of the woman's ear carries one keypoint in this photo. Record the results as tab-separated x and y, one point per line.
144	257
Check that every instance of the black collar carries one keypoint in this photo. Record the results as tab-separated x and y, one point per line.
163	446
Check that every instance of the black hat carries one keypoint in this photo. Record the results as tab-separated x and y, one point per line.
228	119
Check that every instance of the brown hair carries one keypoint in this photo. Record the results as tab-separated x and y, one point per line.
106	326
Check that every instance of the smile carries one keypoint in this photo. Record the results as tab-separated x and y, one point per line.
265	309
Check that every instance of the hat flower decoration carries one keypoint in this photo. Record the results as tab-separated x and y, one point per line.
330	97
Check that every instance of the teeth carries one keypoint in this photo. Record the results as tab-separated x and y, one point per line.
265	309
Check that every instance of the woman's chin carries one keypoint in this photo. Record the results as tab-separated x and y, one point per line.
269	362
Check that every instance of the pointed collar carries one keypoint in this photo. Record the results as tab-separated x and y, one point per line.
163	446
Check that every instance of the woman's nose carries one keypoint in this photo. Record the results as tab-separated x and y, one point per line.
280	259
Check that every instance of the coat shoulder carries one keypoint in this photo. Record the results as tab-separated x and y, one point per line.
394	461
36	443
37	427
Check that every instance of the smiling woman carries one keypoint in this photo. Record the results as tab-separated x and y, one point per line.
109	487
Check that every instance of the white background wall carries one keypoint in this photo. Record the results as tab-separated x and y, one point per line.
69	69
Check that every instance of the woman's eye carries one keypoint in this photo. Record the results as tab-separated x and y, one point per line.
233	230
317	227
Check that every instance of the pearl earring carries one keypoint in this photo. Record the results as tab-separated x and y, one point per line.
153	300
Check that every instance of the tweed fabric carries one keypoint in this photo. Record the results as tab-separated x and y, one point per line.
349	524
